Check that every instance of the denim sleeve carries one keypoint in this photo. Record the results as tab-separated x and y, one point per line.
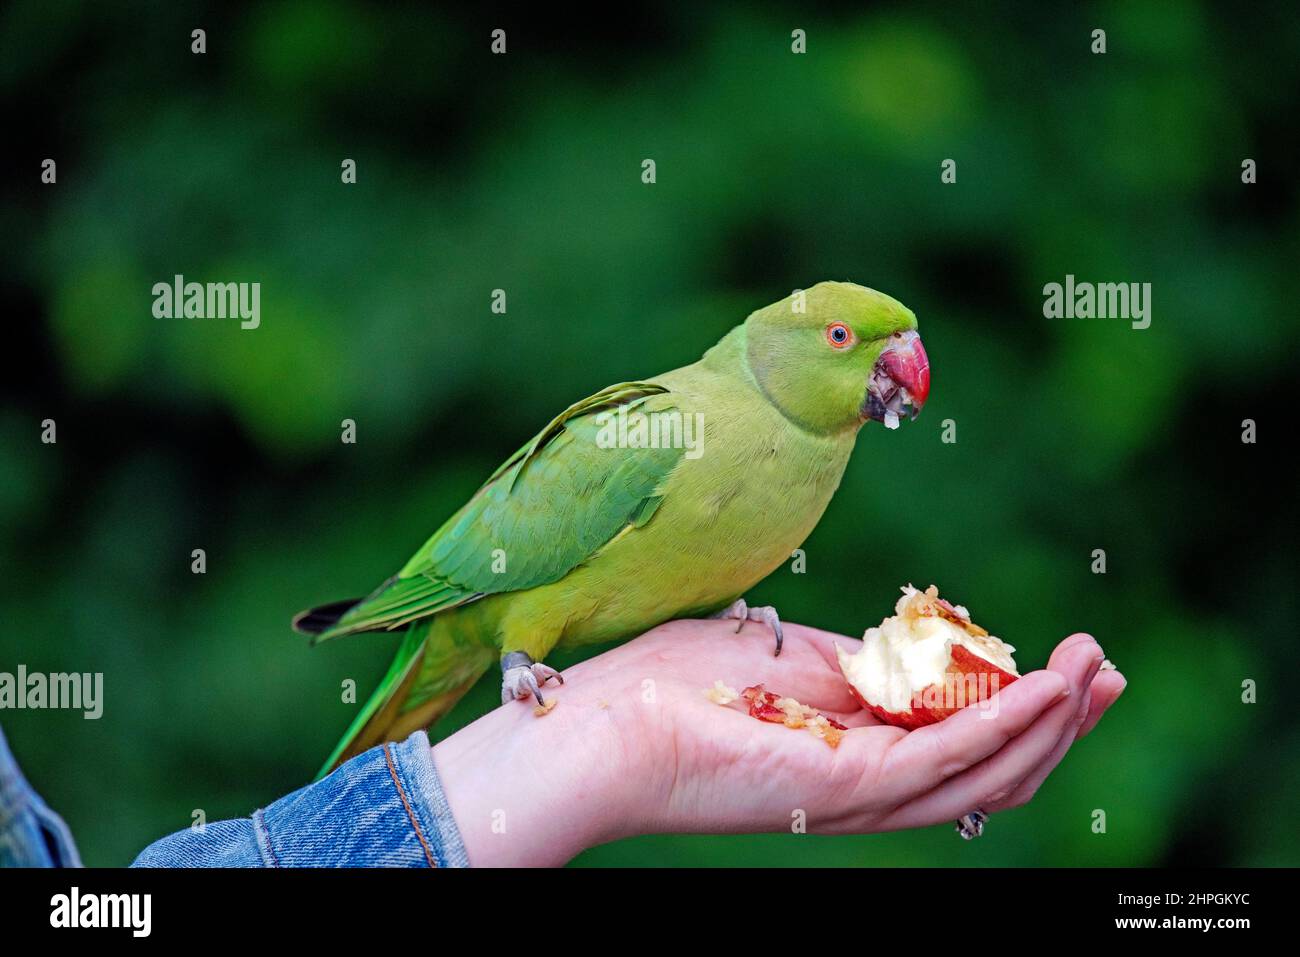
384	808
31	835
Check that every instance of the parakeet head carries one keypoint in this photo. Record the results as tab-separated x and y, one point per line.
833	356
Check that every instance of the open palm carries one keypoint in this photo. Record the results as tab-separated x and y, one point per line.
705	768
633	746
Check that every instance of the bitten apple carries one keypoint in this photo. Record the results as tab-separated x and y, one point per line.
925	662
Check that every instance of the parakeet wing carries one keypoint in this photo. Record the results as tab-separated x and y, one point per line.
548	508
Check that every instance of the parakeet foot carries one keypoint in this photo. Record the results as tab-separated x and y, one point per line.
971	825
521	677
766	613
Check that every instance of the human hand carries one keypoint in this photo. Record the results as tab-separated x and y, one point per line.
634	747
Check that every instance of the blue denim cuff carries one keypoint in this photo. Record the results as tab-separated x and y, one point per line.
414	761
31	835
384	808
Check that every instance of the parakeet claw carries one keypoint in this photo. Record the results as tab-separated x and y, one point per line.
971	825
521	677
740	610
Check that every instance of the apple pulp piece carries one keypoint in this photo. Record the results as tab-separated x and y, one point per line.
767	706
777	709
926	662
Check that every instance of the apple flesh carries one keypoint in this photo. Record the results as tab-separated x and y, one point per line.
925	662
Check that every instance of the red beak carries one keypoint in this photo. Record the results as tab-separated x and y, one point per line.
907	364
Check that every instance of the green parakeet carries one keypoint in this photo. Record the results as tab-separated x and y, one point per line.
651	500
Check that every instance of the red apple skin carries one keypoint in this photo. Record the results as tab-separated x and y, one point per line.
962	664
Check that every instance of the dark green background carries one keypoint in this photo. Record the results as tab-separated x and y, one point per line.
522	172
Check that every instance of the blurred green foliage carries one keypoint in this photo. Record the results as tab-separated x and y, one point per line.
522	172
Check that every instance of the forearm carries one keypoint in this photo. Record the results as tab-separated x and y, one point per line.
535	791
510	789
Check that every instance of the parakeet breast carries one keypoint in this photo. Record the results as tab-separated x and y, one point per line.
732	511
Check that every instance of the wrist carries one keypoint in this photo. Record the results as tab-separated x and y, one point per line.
530	791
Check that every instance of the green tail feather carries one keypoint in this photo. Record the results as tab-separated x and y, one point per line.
407	654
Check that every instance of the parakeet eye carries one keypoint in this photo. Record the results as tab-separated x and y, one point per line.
838	335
